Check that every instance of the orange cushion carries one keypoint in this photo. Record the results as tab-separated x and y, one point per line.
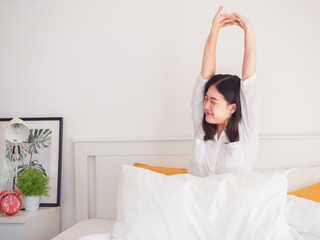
312	192
166	171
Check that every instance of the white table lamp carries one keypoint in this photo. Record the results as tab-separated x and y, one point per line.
16	132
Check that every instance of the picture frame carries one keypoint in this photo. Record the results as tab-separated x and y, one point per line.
42	150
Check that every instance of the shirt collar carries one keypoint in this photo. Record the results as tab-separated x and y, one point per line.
221	136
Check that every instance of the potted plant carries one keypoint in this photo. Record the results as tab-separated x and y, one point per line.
33	184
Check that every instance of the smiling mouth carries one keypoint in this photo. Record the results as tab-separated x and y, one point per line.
209	114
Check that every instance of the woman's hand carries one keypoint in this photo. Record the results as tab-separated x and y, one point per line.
222	20
242	22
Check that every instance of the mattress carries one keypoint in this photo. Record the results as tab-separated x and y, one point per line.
86	227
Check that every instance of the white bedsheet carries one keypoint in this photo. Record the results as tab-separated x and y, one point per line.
108	236
87	227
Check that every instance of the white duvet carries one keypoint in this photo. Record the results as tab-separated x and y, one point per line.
255	207
302	215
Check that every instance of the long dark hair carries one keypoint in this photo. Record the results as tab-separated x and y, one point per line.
229	86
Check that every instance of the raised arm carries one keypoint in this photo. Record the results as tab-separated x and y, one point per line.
249	59
209	55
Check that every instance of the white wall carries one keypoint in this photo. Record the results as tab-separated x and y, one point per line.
126	68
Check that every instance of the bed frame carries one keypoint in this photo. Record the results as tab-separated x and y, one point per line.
98	163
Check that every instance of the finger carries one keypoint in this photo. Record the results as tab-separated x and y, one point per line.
227	24
236	23
230	24
226	21
225	15
238	20
220	9
230	19
236	14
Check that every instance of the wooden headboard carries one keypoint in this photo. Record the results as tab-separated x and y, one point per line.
98	163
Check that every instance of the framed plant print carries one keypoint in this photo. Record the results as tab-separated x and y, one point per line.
42	150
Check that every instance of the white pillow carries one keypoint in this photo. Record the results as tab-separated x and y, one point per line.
154	206
302	177
298	177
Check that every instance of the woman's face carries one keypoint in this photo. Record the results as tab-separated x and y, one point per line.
216	108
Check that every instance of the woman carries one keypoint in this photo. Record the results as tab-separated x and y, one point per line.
225	109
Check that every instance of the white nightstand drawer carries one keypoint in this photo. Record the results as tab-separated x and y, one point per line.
40	225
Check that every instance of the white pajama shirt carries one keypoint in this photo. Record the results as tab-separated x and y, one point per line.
219	155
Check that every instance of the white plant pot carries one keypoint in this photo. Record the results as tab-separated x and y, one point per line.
31	204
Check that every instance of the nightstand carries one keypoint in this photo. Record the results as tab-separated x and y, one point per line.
42	224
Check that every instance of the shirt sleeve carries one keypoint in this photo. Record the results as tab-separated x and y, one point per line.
250	109
197	103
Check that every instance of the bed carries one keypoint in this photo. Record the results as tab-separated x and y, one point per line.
98	164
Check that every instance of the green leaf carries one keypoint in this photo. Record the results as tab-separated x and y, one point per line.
32	182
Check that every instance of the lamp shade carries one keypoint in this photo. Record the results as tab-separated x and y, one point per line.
17	131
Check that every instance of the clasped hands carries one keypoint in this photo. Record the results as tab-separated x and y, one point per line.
223	20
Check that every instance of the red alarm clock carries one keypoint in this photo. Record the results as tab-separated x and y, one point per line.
10	202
